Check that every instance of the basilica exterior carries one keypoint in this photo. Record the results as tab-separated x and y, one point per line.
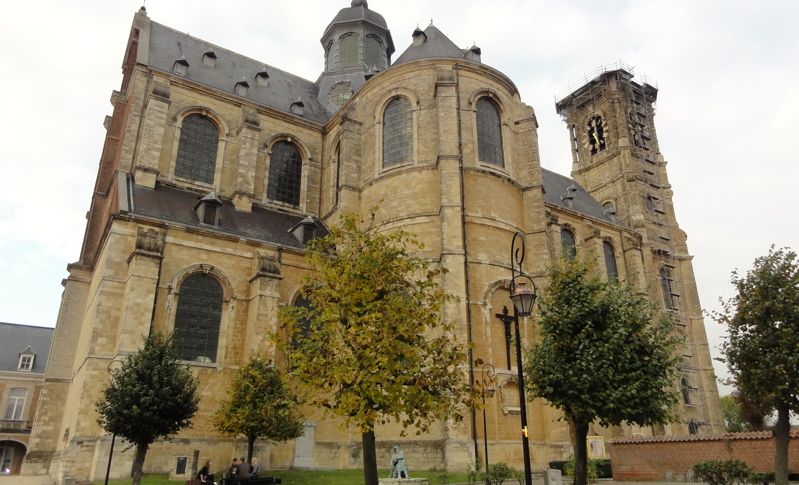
218	168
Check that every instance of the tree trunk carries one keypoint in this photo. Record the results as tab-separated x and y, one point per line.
369	457
138	462
580	452
781	434
250	446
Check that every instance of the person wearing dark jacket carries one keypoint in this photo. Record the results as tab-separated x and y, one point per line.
205	473
244	470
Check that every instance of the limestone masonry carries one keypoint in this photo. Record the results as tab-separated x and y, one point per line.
217	169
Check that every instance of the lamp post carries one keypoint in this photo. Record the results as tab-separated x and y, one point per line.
523	298
487	372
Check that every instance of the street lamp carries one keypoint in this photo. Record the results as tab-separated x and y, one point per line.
523	298
486	389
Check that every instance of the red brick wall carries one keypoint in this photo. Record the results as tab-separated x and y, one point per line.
656	458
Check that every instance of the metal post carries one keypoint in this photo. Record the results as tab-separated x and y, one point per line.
110	455
528	477
485	436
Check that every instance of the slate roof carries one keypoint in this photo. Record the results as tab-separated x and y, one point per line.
16	339
168	45
177	205
358	13
557	186
436	45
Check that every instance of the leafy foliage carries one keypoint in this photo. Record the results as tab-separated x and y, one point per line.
741	415
601	355
763	325
500	472
259	406
150	396
372	346
722	472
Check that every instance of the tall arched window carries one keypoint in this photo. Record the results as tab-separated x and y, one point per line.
196	158
610	261
666	288
197	318
568	244
329	56
348	51
397	132
372	52
285	173
489	132
596	134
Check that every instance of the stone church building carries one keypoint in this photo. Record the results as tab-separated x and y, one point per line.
217	168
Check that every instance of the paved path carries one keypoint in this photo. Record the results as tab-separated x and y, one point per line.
25	480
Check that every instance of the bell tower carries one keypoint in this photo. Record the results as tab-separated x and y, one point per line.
616	158
357	45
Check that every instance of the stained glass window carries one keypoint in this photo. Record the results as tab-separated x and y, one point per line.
489	133
568	244
397	132
610	261
285	173
196	158
197	318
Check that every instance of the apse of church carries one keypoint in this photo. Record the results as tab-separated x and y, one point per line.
217	170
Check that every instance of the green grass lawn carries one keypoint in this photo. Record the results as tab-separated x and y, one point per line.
307	477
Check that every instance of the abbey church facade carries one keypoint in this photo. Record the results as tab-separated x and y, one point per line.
218	168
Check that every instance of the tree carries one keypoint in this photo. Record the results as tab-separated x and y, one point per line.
762	320
150	396
740	414
601	355
371	346
260	406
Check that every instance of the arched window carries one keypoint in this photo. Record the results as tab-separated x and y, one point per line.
196	158
685	387
397	132
329	56
610	261
348	51
568	244
197	318
489	132
339	94
373	52
666	288
609	210
305	324
285	173
596	134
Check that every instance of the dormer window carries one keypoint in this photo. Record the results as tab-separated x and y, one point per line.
262	78
242	88
308	229
208	209
26	362
181	67
297	107
209	59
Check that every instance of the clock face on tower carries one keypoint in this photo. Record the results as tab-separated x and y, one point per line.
596	135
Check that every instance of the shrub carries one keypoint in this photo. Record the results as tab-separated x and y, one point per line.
591	469
726	472
499	472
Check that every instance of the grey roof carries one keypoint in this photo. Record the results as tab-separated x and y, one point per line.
177	205
168	46
358	12
16	339
557	186
435	46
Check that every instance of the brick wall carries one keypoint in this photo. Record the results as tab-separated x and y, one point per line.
672	457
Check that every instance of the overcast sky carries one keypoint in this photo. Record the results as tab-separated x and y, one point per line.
727	112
